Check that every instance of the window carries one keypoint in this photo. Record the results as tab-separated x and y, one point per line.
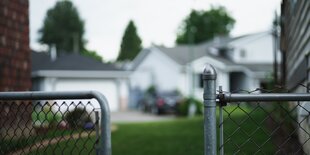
200	80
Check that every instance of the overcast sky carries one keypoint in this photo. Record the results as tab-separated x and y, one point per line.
157	21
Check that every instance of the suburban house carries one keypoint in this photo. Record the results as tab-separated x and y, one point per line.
75	72
15	67
243	62
295	47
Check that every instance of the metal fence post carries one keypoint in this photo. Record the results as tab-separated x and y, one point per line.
105	138
209	96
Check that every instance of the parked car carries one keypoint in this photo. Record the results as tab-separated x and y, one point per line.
160	103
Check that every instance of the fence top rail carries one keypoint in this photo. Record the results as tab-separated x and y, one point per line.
268	97
105	148
44	95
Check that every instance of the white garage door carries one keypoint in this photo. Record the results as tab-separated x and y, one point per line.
107	87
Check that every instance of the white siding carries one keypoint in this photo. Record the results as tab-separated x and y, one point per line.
183	82
123	94
258	49
116	91
48	84
106	87
156	69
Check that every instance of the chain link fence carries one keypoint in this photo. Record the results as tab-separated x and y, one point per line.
54	123
261	127
255	122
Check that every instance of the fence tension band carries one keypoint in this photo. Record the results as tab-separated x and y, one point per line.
221	97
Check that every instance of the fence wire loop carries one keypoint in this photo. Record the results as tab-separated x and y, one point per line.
54	123
259	127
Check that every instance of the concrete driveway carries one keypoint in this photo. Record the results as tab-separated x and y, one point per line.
136	116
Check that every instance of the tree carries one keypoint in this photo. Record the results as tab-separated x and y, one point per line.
92	54
63	28
201	26
131	43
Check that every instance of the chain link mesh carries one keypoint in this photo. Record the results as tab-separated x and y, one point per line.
265	127
48	127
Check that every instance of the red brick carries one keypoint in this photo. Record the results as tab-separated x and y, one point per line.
15	64
14	27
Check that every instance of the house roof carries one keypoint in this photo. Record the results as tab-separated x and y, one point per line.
73	62
139	59
259	67
184	54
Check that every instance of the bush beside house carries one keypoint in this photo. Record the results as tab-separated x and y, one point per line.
78	118
189	106
45	118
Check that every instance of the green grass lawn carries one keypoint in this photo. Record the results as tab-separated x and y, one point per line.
180	137
10	145
185	136
81	146
245	130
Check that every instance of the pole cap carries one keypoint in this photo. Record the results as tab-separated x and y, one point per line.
209	72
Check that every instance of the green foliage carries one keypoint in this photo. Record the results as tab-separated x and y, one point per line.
177	137
12	145
131	43
246	122
63	27
151	90
183	106
281	110
201	26
185	137
72	146
45	117
92	54
78	117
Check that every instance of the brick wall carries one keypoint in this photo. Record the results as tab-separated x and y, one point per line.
15	71
14	46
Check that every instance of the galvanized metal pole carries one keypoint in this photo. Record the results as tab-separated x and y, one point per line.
97	132
268	97
209	96
221	131
105	138
221	124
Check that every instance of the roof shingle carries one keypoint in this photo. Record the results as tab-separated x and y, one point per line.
72	61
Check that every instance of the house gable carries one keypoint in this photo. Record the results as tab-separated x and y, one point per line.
156	69
255	48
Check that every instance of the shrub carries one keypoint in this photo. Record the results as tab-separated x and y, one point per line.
151	90
45	117
183	106
78	117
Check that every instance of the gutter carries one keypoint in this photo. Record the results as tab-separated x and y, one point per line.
80	74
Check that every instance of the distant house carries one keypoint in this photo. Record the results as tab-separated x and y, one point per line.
295	47
74	72
242	63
